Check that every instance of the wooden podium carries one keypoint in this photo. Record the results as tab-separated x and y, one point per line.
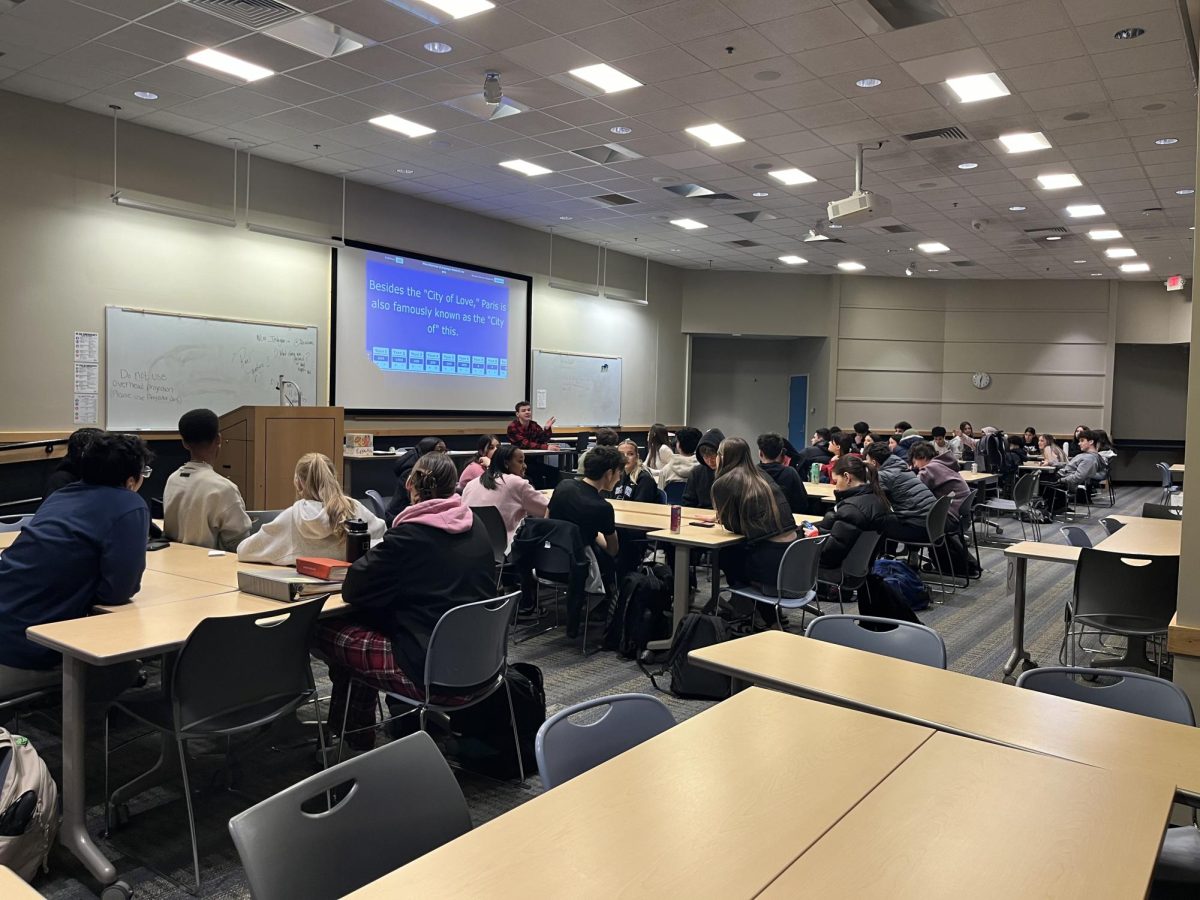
261	445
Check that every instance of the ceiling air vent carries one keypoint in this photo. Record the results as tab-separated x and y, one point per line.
937	136
1049	229
895	229
254	14
745	243
756	216
907	13
614	199
607	153
963	263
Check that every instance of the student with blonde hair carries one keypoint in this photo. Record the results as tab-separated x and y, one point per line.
315	525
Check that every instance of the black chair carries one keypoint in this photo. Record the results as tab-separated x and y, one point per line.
936	545
1158	511
1111	526
674	491
552	567
497	534
234	674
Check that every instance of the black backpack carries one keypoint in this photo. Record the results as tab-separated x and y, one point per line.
989	452
641	611
483	734
878	598
687	679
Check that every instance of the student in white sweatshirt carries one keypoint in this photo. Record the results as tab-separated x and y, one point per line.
200	506
315	525
658	449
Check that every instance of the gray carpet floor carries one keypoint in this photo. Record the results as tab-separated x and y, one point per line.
152	852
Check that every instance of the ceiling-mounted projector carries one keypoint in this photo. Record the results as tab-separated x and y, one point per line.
861	206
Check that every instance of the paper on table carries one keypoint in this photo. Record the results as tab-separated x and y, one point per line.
87	378
87	346
85	409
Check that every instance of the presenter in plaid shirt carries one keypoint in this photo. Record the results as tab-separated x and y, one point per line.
527	434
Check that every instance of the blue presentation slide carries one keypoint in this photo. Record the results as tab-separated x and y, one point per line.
436	319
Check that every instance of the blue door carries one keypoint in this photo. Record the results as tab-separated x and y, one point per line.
798	411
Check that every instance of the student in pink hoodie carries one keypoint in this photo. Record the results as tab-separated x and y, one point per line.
435	556
503	486
483	458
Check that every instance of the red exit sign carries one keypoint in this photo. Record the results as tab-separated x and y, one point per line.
1175	282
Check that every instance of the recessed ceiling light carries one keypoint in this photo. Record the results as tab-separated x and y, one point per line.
1059	181
1079	262
565	218
973	88
145	95
674	249
1016	209
1183	192
230	65
848	266
933	270
1024	142
1120	252
460	9
793	260
1128	34
438	47
868	82
1085	210
1163	142
1054	237
404	126
1135	267
1096	274
404	171
715	135
525	167
791	176
621	129
760	194
688	224
606	78
1104	234
933	247
968	165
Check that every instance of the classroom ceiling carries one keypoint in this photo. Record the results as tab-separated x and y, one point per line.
782	74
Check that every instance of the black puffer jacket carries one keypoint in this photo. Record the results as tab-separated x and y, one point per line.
855	511
911	500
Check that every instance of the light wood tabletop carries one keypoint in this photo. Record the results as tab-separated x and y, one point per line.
717	806
7	538
1043	551
195	562
962	704
161	587
962	818
969	477
1178	468
1152	537
14	887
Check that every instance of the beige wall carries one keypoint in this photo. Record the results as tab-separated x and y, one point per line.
66	252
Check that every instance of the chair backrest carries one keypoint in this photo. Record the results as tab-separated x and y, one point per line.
935	519
1158	511
402	802
552	562
1140	589
237	671
469	644
857	562
497	533
797	574
260	517
565	749
966	512
13	523
1165	471
1132	692
674	491
1111	526
1076	536
907	640
1025	488
662	496
377	503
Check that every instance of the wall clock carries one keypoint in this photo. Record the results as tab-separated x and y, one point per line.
981	380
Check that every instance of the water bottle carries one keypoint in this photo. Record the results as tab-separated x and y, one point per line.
975	467
1066	450
358	540
814	474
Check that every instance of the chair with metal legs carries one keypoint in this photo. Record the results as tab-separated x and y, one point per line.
1169	487
795	580
887	637
935	526
855	567
1076	536
1023	505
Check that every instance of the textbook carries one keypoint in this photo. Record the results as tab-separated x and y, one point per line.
322	567
286	585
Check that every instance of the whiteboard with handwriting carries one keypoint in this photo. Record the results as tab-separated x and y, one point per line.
158	365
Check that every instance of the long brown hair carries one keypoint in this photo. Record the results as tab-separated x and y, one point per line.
316	480
656	438
859	470
747	501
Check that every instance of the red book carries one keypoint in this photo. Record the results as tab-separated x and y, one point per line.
320	567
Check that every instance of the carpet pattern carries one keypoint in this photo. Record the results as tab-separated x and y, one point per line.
152	851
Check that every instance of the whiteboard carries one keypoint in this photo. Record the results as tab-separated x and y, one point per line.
158	365
578	389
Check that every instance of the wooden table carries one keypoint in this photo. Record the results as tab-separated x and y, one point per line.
1177	469
717	806
961	704
962	818
14	887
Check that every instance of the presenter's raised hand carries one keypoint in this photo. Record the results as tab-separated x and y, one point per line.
550	422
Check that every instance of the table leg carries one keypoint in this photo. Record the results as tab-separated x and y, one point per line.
682	595
73	833
1019	652
715	578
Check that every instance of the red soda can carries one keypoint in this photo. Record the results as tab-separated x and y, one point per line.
676	518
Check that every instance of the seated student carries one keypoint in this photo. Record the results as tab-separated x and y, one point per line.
1013	459
579	500
1050	452
1077	471
503	485
681	463
85	546
697	492
201	507
770	453
816	452
964	442
939	472
67	471
315	525
861	430
484	449
1073	445
843	446
658	449
910	500
749	503
1030	441
527	434
906	438
859	505
404	467
636	481
941	444
436	557
605	437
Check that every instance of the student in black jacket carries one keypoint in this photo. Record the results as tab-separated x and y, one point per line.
68	471
636	481
404	467
860	505
436	557
698	490
770	449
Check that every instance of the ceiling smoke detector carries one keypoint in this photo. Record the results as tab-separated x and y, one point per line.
492	92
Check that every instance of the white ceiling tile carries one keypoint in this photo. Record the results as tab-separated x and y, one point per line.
686	20
498	29
1038	48
796	96
748	46
709	85
1076	95
1016	20
270	53
461	49
193	25
1060	71
42	88
810	30
384	62
936	69
727	108
1162	26
619	39
147	42
564	18
1136	60
376	19
1177	79
551	56
1084	12
333	76
169	121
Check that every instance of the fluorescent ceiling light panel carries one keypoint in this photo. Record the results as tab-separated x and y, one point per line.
230	65
791	176
1135	267
933	247
715	135
1085	210
1104	234
1059	181
606	78
1024	142
1120	252
973	88
793	260
460	9
688	224
848	266
525	168
404	126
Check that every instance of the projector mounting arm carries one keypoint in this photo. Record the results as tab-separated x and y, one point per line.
858	164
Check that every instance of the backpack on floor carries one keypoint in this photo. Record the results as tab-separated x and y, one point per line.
28	806
876	597
904	581
642	610
483	733
687	679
